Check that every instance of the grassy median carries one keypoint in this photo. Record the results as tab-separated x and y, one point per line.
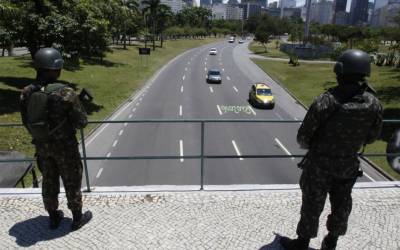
272	49
111	82
309	80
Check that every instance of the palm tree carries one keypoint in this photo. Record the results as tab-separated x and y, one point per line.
152	7
129	9
164	14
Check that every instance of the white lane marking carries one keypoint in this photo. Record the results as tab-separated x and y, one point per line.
134	109
205	63
283	147
205	69
182	89
235	89
211	89
369	177
115	143
185	69
223	69
140	99
121	132
108	155
97	134
236	149
228	78
279	116
99	173
252	110
180	110
181	149
188	62
130	116
219	110
137	104
296	118
183	78
125	124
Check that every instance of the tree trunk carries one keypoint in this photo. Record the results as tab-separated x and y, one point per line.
162	39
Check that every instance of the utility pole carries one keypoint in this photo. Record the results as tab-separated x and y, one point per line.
307	23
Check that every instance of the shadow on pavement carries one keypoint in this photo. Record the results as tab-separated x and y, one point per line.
276	245
29	232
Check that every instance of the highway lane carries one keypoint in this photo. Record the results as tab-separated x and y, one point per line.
179	91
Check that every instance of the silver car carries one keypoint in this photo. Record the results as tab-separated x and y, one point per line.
214	76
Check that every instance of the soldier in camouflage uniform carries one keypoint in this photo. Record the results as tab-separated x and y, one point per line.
338	124
58	156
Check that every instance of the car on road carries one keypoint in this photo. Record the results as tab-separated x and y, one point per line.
260	96
231	39
213	51
214	75
240	41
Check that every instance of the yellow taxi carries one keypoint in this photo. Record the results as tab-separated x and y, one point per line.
260	96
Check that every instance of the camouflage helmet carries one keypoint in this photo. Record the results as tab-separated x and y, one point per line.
48	58
353	61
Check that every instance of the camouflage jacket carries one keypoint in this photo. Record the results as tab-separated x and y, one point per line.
338	124
63	105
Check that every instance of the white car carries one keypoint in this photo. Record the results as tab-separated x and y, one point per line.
213	51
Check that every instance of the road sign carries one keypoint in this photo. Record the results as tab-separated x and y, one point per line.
144	51
393	146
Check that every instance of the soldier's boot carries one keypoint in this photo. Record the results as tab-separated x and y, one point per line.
295	244
79	219
55	218
329	242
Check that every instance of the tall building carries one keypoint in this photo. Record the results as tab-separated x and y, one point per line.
287	4
262	3
322	12
205	3
176	5
273	5
380	3
234	12
233	2
359	12
218	11
250	10
383	17
339	15
216	2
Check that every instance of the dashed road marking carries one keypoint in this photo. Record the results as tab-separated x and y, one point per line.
183	78
237	149
138	103
181	149
108	155
219	110
125	124
182	89
228	78
180	110
211	89
121	132
235	89
140	99
185	69
205	69
115	143
205	63
99	173
283	147
223	69
134	109
130	116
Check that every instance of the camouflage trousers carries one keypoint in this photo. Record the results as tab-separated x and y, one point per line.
315	186
60	159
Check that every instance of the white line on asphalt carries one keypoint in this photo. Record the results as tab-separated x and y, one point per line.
115	143
183	78
130	116
228	78
182	89
181	149
235	89
223	69
211	89
279	116
205	63
188	62
296	118
205	69
99	173
180	110
369	177
252	110
137	104
236	149
283	147
134	109
140	99
185	69
108	155
219	110
125	124
121	132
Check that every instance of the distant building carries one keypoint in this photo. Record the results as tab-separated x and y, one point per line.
205	3
233	2
292	12
287	4
339	9
188	3
383	17
273	5
218	11
262	3
250	10
234	12
216	2
341	18
271	12
322	12
176	5
359	12
380	3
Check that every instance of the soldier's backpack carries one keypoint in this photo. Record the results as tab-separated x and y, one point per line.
37	113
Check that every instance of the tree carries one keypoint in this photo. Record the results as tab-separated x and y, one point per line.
152	8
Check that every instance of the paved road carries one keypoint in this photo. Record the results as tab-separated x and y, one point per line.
179	91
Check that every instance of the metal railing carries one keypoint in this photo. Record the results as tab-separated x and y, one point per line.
202	156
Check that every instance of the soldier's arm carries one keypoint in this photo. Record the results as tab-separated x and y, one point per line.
312	121
376	127
23	103
77	114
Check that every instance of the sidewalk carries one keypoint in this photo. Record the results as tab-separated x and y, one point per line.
195	220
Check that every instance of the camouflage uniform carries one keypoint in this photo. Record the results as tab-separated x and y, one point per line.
59	157
337	125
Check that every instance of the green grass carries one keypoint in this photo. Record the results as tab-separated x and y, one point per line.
111	82
272	51
309	80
